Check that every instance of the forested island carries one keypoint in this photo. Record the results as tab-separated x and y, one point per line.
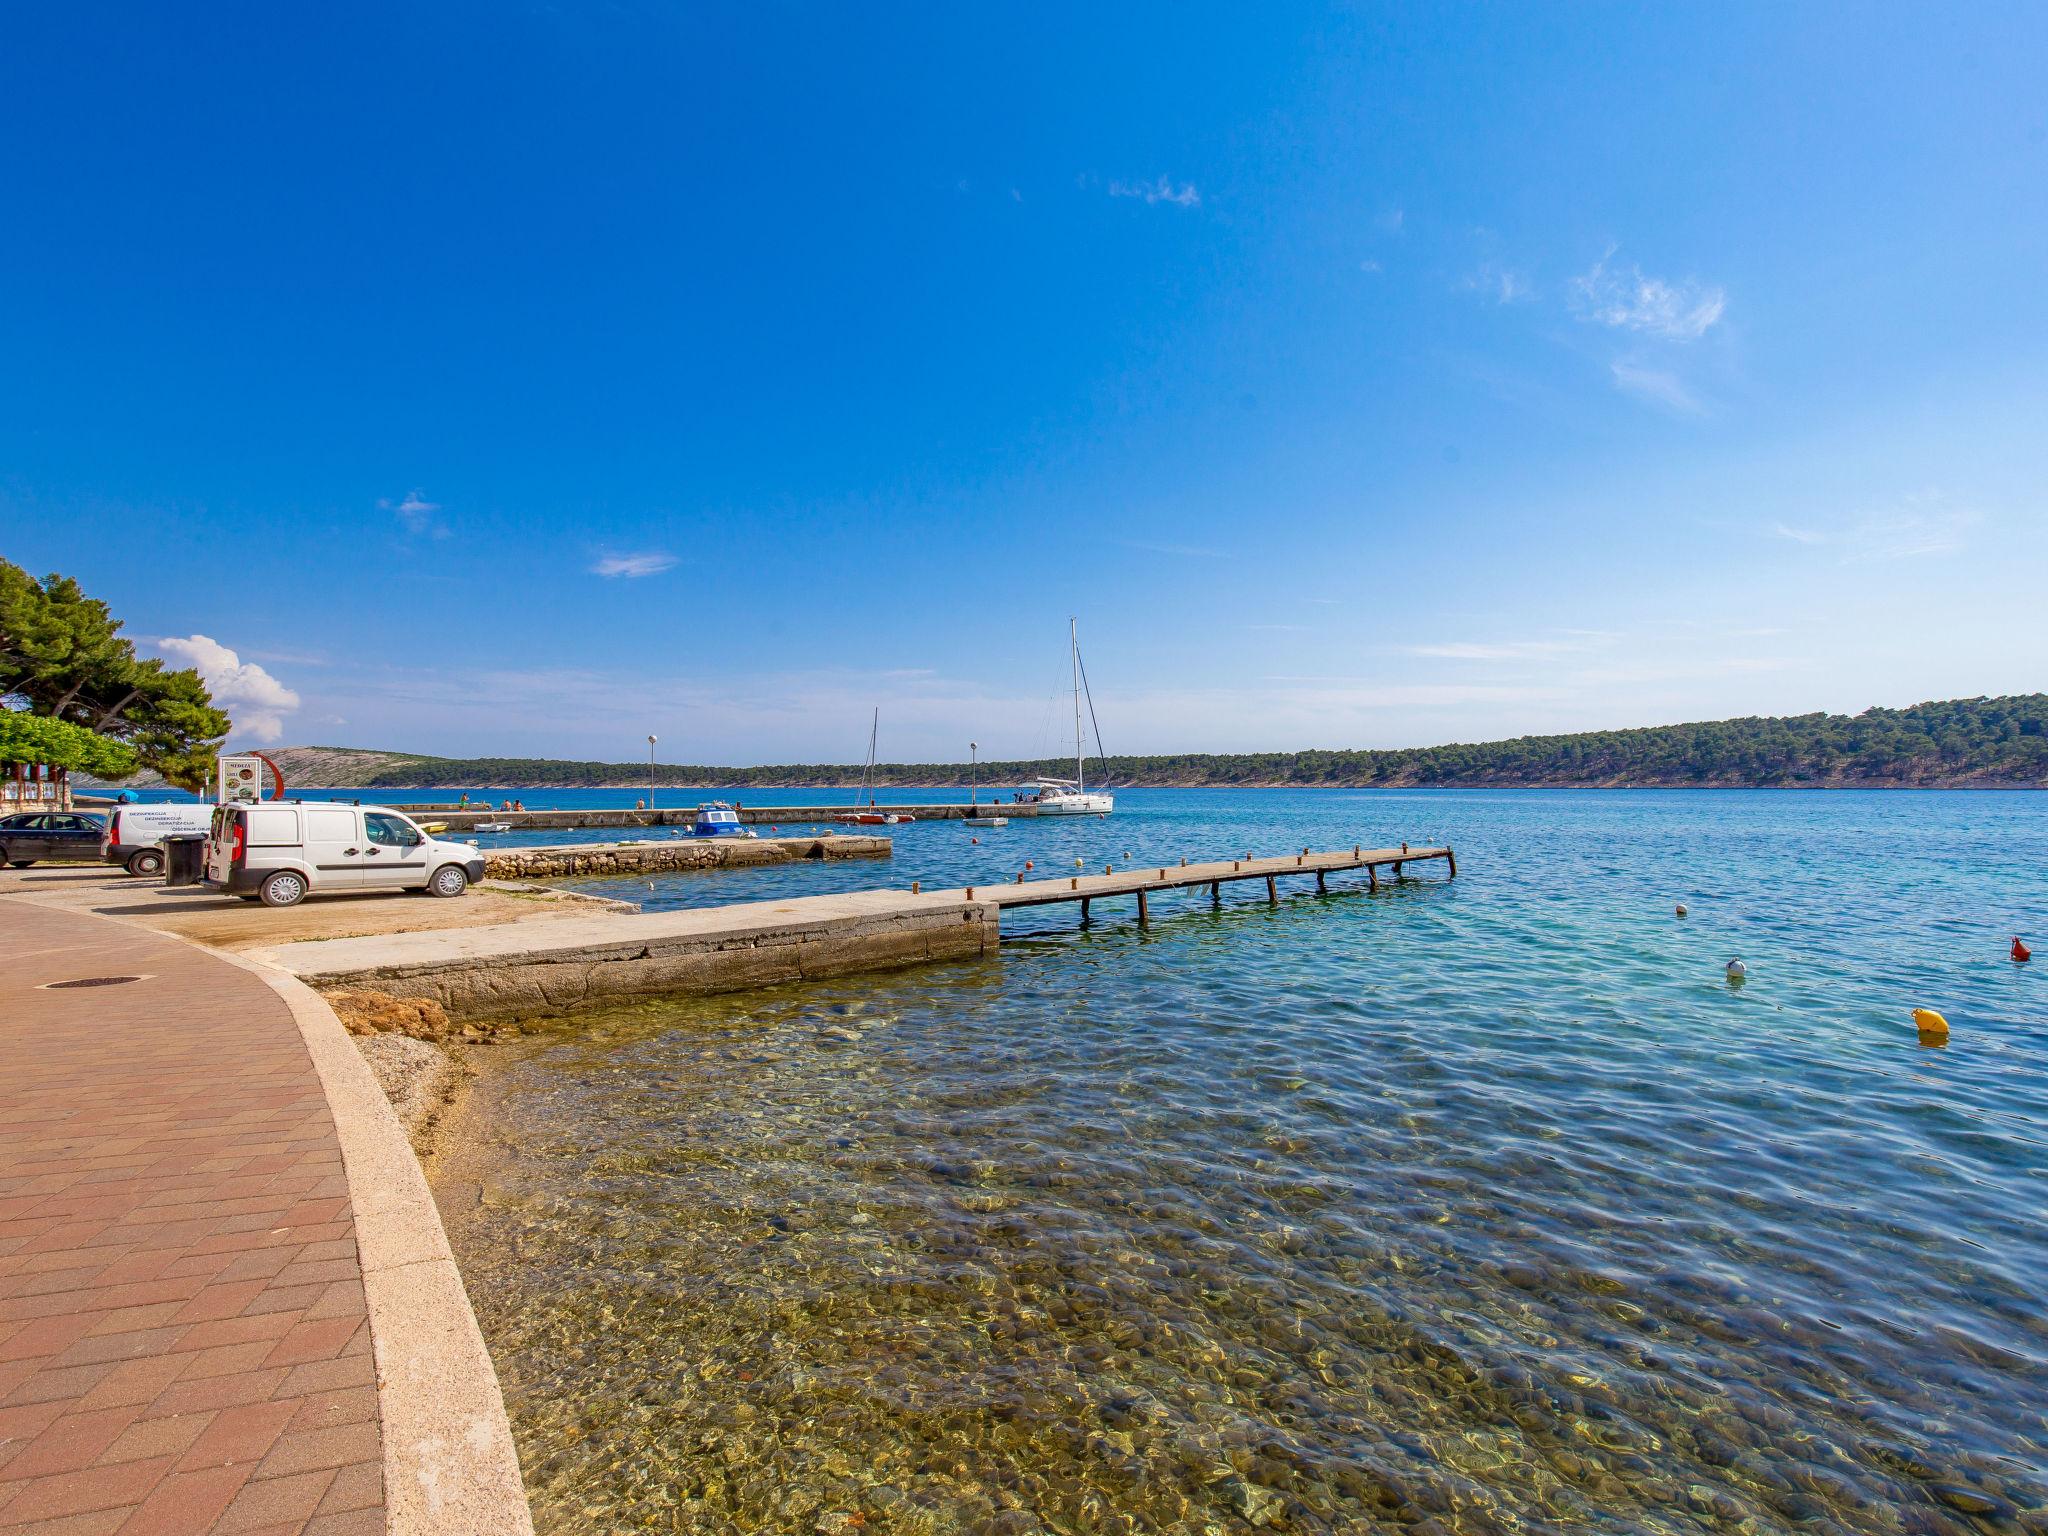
1956	744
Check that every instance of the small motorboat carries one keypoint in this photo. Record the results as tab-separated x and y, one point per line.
984	821
492	826
717	819
873	818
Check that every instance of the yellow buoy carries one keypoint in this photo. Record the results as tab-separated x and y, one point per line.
1932	1026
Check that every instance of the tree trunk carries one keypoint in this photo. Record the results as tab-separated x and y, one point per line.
113	710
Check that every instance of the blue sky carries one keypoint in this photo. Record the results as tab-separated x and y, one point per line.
525	380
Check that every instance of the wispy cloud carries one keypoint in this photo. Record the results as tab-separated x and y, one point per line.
1392	221
1185	551
1565	643
1369	265
1925	523
417	513
647	563
253	699
1659	385
1162	190
1499	282
1625	298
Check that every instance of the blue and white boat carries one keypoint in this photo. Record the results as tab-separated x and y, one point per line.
717	819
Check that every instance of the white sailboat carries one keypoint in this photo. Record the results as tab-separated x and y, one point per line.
1070	797
864	812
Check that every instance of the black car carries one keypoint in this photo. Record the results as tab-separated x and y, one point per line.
34	835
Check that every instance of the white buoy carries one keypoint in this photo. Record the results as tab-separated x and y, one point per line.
1681	909
1737	971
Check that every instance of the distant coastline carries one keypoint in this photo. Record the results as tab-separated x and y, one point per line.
1981	743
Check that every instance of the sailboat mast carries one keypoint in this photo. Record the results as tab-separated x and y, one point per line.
1080	771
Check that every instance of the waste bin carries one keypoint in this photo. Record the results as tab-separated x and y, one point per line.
184	858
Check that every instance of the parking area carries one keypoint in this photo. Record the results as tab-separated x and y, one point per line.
227	922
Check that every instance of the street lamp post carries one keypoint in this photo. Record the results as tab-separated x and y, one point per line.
650	771
974	772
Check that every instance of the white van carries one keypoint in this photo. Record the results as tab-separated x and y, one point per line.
276	851
135	833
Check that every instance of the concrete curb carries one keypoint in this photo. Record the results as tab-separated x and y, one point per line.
450	1466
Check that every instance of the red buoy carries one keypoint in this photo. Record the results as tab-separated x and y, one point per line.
2020	953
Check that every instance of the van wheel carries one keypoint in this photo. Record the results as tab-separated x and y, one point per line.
285	888
148	862
449	880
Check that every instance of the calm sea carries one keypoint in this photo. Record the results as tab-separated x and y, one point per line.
1479	1206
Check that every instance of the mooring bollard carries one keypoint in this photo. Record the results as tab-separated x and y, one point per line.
970	893
1020	877
914	887
1073	884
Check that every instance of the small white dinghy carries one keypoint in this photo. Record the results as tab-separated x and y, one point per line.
492	826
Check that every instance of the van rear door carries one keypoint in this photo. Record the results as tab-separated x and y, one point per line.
334	845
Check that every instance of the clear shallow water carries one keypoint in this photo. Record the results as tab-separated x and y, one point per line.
1480	1206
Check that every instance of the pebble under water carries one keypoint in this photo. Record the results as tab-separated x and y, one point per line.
1480	1206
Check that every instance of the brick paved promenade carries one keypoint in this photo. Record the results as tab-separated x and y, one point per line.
183	1338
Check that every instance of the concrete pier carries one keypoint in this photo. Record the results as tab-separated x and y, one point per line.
644	856
568	963
750	815
565	964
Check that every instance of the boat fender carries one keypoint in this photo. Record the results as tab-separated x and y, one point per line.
1932	1026
2020	953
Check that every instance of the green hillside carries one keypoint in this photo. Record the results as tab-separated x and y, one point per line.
1956	743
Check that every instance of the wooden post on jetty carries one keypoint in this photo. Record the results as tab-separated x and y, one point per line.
1373	875
1272	896
1084	911
1322	885
1144	913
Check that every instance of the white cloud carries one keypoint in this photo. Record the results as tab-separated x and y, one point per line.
416	513
1392	220
1161	191
1656	384
253	699
649	563
1370	266
1625	298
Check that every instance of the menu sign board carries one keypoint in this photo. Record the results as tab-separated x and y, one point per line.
241	780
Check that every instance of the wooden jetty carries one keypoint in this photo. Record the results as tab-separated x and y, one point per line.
1146	880
558	965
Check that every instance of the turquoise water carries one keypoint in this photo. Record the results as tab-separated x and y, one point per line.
1484	1205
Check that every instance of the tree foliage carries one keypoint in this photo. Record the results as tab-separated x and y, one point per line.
27	738
62	657
1984	742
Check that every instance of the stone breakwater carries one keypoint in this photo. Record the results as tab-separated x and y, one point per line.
560	860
